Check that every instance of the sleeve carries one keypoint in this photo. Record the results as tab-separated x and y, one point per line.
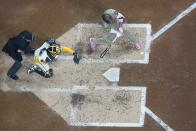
38	51
68	50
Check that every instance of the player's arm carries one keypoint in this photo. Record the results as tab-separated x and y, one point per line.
70	51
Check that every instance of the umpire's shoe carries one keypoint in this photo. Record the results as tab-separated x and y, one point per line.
14	77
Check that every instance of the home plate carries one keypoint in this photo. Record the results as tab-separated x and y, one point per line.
108	106
112	74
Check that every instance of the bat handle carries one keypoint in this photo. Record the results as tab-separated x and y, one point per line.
106	50
114	39
104	53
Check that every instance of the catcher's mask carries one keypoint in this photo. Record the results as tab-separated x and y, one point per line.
55	50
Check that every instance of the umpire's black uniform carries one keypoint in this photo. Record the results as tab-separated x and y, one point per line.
13	48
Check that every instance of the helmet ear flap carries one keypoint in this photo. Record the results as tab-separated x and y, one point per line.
107	18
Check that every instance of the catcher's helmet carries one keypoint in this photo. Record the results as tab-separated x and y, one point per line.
51	41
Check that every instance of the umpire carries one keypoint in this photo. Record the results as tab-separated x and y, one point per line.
15	46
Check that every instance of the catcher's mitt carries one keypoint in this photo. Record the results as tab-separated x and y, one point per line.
76	58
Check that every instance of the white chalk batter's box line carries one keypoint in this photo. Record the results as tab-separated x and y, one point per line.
114	61
74	122
108	61
26	88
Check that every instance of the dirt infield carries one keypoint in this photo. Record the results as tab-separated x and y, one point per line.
169	76
108	106
121	50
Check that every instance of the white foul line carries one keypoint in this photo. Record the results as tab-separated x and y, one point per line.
174	21
158	120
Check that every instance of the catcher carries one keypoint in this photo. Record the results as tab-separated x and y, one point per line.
47	53
112	21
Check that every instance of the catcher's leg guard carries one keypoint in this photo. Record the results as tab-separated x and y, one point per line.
42	73
31	69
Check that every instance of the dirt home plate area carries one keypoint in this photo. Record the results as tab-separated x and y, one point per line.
120	52
98	106
89	72
150	89
106	105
